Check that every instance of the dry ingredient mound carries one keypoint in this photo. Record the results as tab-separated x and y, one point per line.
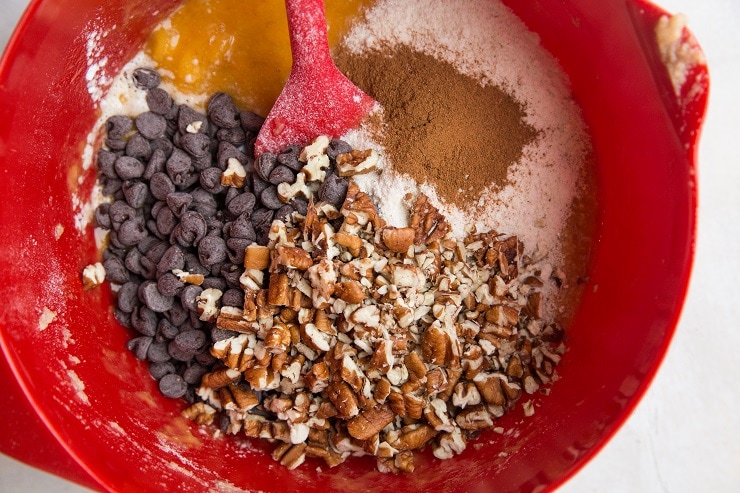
437	122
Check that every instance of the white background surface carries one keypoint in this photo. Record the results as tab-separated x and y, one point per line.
685	434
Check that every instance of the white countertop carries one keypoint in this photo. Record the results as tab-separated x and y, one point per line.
685	434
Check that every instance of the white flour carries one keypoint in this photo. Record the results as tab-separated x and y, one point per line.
485	40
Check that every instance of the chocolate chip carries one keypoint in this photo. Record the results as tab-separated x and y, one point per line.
221	334
146	78
259	185
262	219
289	157
191	341
214	283
197	145
122	317
144	321
178	316
227	151
234	136
131	232
139	346
116	144
334	190
153	299
159	101
251	122
188	117
127	298
210	180
128	168
178	166
337	147
164	145
233	297
236	247
115	271
110	185
166	330
172	385
242	228
156	164
173	258
138	147
190	230
223	112
283	214
133	261
166	222
300	205
241	204
188	296
281	174
102	219
159	369
151	125
192	264
211	250
194	373
135	193
106	161
178	202
270	199
264	164
118	126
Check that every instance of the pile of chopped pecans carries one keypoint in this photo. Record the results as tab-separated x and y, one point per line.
361	338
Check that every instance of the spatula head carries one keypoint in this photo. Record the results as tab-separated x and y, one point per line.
310	106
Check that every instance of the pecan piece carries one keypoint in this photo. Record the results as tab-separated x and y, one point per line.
427	221
340	394
412	437
357	162
370	422
350	291
398	240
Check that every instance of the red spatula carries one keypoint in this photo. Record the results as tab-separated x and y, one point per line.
317	98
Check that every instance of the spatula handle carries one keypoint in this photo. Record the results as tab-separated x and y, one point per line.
309	43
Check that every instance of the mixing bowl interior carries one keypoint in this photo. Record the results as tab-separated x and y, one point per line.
107	412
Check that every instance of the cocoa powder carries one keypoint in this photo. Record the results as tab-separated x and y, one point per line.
440	126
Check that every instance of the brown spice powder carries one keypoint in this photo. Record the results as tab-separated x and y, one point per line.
441	127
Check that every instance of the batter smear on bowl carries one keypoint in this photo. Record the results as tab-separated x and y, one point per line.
393	289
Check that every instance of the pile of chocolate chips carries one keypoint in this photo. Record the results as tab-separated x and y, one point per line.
170	211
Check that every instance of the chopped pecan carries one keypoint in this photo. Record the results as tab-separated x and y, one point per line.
434	345
358	209
232	318
234	175
200	412
290	455
489	386
357	162
291	258
93	276
350	291
257	257
277	292
220	378
370	422
341	395
474	418
427	221
412	437
397	240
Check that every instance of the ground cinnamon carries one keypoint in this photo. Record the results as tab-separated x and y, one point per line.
441	127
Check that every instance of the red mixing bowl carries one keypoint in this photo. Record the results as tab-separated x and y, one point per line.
99	402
